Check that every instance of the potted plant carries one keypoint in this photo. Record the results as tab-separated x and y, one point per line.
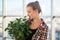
19	28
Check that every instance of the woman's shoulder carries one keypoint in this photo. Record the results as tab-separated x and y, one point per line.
43	24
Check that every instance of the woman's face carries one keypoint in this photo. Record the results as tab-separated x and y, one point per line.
31	13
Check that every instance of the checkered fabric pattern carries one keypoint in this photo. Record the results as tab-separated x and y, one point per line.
41	33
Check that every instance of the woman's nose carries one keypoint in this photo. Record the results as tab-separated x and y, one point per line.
28	14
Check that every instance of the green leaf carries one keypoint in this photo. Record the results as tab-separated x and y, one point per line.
19	28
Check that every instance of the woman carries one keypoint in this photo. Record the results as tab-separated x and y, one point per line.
38	27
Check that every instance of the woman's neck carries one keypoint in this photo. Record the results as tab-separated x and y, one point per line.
35	23
36	19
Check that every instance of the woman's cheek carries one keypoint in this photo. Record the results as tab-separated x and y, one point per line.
33	15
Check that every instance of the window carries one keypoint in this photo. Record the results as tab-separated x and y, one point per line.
0	7
45	7
14	7
57	28
57	35
56	8
57	21
1	29
0	21
31	1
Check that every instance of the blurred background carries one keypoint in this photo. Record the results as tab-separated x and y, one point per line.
11	9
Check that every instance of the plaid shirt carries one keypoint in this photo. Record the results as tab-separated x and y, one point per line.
41	33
